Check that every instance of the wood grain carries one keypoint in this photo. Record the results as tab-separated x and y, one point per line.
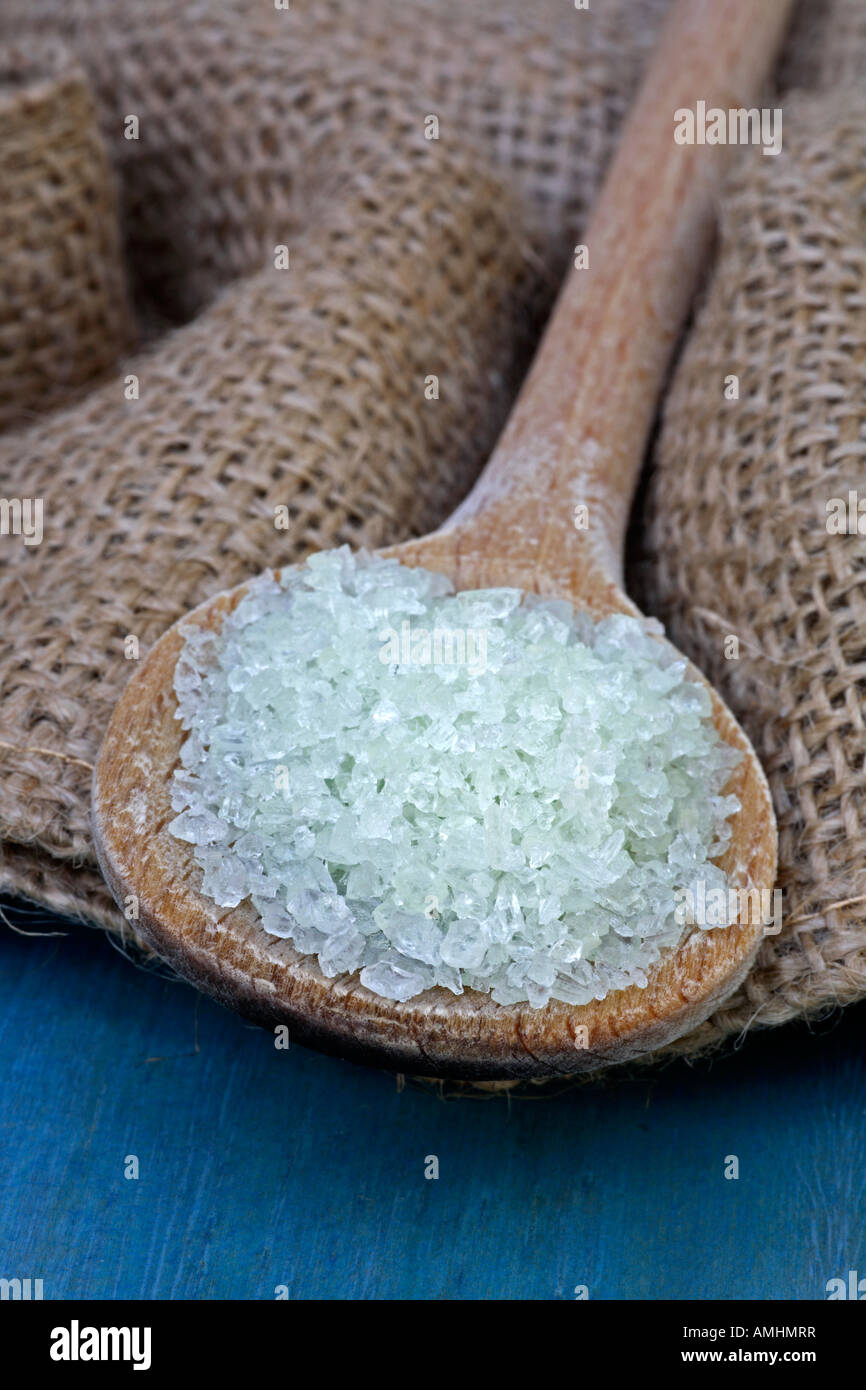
577	435
262	1167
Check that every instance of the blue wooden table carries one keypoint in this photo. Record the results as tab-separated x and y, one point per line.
261	1170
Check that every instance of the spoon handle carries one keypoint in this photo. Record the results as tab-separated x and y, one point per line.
577	434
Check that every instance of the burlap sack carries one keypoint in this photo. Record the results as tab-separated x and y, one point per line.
302	387
64	316
737	542
259	387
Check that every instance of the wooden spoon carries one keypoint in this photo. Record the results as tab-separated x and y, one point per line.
576	438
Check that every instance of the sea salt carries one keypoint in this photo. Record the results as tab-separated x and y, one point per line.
479	790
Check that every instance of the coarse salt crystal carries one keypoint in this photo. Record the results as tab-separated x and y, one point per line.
482	790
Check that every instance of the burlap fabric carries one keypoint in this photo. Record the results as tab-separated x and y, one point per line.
737	540
64	316
261	387
255	387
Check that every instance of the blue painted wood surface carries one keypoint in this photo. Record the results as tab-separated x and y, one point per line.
261	1168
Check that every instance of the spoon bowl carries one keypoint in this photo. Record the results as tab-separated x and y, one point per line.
227	952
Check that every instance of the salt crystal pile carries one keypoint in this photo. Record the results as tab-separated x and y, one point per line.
479	790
